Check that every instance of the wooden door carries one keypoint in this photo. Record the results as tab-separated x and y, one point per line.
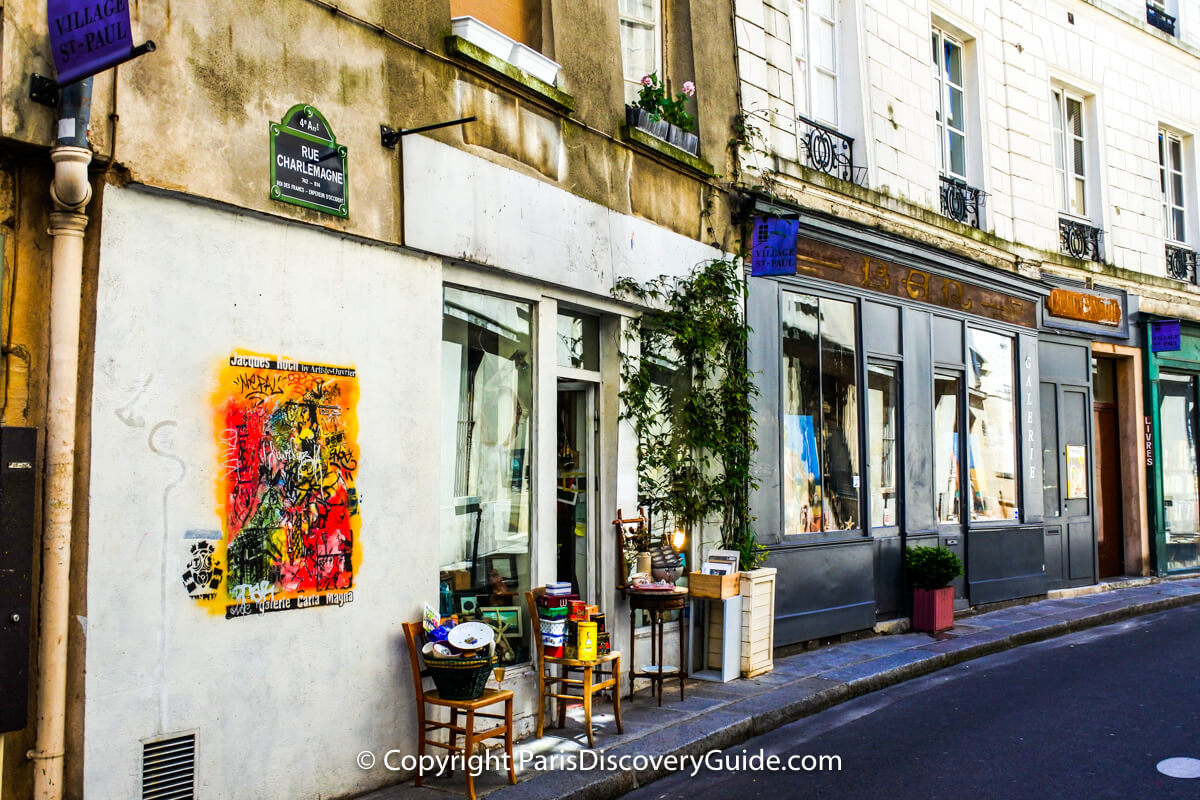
1109	498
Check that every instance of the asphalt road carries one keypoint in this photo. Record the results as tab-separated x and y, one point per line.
1088	715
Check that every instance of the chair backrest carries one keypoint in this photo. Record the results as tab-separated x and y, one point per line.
414	633
536	622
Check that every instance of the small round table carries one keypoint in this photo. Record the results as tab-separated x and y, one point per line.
656	604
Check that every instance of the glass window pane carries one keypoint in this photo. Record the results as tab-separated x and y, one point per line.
645	9
1078	197
839	394
954	63
1181	490
1075	117
1176	154
824	45
954	114
945	447
1177	221
1051	496
578	341
826	109
992	424
958	155
487	392
882	396
801	420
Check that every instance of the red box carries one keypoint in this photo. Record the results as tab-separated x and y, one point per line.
578	611
553	652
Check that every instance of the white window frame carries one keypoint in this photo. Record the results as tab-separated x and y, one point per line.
1066	171
1171	200
633	83
942	88
805	71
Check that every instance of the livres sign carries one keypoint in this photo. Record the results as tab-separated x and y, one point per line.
88	36
308	166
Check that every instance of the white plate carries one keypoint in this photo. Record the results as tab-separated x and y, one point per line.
471	636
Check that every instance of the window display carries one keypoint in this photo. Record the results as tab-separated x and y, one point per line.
487	401
991	425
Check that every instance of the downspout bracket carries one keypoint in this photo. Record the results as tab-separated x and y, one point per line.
43	90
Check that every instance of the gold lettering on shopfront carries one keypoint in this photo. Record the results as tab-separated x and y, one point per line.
1084	307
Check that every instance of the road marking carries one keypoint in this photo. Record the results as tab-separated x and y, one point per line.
1180	767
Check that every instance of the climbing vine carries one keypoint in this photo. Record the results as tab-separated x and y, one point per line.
688	392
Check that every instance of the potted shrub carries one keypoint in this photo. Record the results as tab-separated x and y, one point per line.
665	117
931	570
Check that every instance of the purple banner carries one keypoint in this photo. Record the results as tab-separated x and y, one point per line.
773	246
88	36
1164	336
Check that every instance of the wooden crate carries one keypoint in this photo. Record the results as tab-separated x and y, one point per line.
713	587
758	621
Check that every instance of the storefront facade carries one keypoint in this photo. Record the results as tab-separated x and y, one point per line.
1172	430
879	360
1093	495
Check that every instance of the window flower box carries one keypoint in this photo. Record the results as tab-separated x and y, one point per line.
661	129
485	37
526	58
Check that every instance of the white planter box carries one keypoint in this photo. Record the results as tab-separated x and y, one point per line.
758	621
482	36
526	58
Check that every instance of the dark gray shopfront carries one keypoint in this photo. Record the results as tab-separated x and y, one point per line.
899	407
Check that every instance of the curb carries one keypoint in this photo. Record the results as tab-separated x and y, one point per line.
781	706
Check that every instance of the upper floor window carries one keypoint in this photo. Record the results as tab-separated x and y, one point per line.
1162	14
1070	153
951	107
1170	174
641	42
814	35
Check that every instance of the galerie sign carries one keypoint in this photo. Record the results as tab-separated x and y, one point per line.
308	166
88	36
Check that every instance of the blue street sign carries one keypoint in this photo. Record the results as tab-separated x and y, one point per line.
773	246
88	36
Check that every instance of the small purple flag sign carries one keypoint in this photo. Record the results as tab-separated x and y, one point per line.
773	246
88	36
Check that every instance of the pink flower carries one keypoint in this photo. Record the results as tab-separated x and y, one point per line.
689	88
647	80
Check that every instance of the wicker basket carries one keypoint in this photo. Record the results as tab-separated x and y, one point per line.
459	678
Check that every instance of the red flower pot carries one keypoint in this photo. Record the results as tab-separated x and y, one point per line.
933	609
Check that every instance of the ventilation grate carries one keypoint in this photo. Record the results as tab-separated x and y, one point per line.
169	769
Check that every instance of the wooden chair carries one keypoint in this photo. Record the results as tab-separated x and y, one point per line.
471	737
588	685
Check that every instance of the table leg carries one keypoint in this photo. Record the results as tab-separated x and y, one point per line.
632	652
661	658
683	637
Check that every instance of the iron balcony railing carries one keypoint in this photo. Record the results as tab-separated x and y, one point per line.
962	202
1080	240
1181	263
1160	19
828	151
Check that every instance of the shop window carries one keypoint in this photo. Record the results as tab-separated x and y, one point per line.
991	427
641	43
1181	486
945	447
486	509
578	341
820	415
882	396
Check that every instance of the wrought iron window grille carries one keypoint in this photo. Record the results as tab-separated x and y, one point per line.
962	202
828	151
1080	240
1160	19
1181	263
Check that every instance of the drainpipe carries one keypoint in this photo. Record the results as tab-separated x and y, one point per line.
70	192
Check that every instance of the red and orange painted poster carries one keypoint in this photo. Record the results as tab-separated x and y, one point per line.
288	454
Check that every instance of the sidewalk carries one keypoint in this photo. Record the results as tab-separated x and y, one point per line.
717	715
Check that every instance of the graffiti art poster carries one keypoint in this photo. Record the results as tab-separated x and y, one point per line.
288	454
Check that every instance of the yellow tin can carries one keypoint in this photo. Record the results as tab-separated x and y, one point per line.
587	641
